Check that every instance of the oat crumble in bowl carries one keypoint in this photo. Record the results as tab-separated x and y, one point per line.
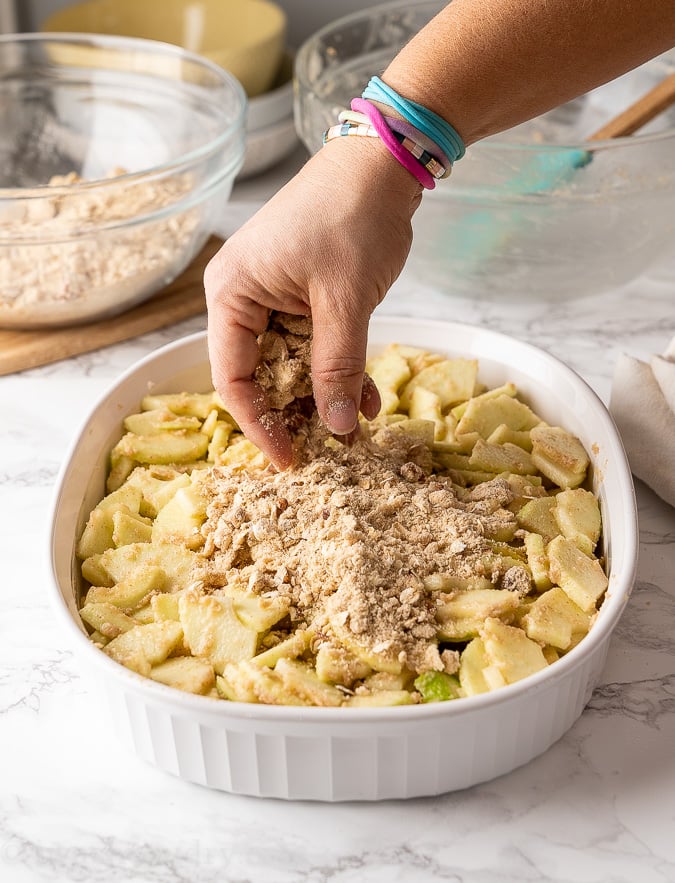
79	253
116	157
449	552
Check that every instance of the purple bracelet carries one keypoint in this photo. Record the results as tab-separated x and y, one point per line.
406	159
403	127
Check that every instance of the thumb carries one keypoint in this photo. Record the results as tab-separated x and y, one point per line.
339	360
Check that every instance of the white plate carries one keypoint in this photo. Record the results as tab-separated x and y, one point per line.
351	754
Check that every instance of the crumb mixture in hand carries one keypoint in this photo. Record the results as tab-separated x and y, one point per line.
283	370
350	534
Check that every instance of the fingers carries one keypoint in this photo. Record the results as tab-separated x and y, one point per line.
233	327
370	398
341	389
338	363
261	426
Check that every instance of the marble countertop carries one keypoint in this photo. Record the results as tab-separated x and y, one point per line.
599	806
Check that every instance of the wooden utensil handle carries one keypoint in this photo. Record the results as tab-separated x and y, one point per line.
657	100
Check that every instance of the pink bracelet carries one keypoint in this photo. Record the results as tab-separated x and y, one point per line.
406	159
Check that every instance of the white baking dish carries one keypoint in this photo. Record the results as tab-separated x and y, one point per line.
352	753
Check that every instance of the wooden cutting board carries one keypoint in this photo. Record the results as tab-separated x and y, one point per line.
183	298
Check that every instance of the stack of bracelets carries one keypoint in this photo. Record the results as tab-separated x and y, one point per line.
422	142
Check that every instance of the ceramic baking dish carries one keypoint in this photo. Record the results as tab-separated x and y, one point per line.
351	753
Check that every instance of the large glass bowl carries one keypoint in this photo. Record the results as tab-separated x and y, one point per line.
534	212
116	156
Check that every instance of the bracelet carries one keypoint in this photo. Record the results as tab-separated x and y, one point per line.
352	124
346	128
402	127
428	122
405	158
430	163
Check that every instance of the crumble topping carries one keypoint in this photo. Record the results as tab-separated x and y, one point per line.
350	535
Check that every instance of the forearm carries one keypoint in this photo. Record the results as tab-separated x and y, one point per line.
487	65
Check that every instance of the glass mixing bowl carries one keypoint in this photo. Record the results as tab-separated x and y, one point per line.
533	212
116	156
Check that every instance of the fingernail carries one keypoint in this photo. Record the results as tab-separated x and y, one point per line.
371	402
342	416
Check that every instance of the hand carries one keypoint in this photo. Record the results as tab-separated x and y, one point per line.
329	245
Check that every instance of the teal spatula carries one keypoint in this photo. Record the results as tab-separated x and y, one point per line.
479	237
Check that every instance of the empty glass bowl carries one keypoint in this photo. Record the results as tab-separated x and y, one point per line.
116	155
532	213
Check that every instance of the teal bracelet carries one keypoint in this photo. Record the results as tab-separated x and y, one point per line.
428	122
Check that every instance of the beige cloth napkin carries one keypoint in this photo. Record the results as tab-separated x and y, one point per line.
643	406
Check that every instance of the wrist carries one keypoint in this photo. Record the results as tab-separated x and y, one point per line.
369	161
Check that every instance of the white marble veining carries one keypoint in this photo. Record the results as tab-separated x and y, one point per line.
598	807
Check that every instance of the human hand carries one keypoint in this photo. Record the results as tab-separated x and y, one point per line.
329	245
